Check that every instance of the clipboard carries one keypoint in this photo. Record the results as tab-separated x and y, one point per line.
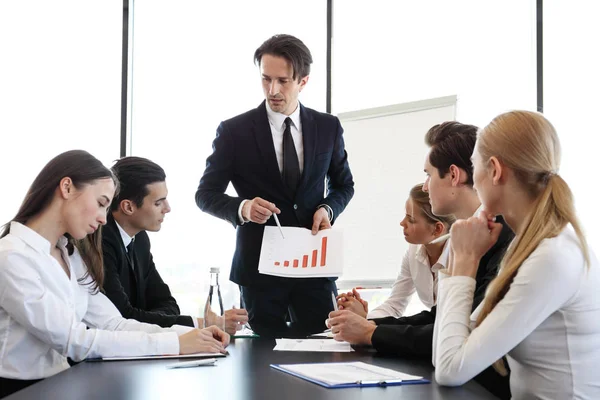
355	384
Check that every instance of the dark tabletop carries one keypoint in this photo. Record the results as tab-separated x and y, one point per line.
244	374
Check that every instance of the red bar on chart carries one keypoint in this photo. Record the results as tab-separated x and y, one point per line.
314	258
295	263
323	251
277	263
304	261
286	263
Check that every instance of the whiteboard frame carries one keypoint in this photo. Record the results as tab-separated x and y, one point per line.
402	108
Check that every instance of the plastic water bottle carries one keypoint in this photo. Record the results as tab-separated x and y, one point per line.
214	303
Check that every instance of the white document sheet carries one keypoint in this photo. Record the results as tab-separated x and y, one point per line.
348	372
195	355
312	345
301	254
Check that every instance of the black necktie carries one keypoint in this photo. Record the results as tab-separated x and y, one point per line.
130	255
291	167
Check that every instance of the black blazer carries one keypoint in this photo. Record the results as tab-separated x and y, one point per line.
413	335
243	154
139	293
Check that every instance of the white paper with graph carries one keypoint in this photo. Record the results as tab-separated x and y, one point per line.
301	254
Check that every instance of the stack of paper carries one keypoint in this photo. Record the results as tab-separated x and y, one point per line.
312	345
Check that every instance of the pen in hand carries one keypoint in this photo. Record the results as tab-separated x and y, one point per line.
448	236
195	363
241	325
335	308
278	224
440	239
334	301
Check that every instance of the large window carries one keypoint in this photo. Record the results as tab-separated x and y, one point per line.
390	52
192	68
60	86
571	102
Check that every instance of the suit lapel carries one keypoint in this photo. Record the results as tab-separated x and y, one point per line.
309	141
132	275
264	140
138	273
112	225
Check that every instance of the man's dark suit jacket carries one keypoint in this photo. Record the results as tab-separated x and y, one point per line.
139	293
244	154
413	335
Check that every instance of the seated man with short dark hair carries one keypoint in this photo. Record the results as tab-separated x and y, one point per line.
131	280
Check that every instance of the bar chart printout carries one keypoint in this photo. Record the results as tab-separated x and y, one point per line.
301	254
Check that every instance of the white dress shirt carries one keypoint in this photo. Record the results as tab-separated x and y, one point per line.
548	325
44	314
124	236
415	275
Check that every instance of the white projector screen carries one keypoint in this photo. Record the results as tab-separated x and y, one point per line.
386	151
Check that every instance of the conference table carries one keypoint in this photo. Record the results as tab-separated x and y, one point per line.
244	374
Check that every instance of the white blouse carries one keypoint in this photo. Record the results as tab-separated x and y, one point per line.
415	275
548	325
44	314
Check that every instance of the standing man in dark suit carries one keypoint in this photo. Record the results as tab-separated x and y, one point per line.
131	280
278	157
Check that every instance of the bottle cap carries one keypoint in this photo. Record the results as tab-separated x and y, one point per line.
215	270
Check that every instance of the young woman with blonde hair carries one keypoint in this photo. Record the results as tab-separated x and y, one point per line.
420	263
543	309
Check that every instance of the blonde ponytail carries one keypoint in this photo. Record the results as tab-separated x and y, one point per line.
554	206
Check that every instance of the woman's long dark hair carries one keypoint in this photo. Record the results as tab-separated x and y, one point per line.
83	169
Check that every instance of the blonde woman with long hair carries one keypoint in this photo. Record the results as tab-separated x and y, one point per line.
543	309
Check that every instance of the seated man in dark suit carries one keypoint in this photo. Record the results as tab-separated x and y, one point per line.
450	185
131	280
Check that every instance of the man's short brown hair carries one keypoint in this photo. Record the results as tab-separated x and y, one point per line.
292	49
452	143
